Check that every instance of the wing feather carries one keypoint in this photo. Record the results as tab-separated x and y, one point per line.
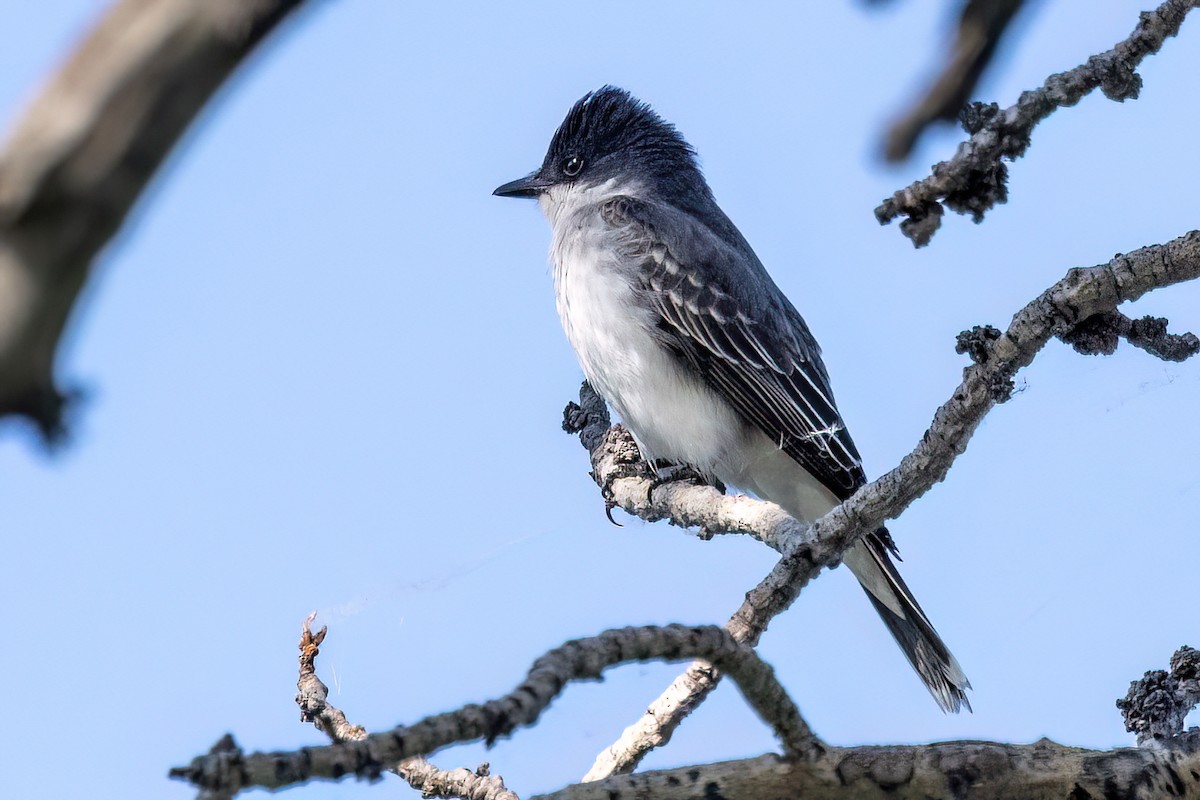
739	331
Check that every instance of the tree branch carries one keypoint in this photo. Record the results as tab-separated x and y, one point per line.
629	483
1157	704
369	756
981	26
312	697
974	180
1098	335
1081	295
976	770
82	154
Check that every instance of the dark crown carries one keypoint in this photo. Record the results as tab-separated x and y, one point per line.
610	121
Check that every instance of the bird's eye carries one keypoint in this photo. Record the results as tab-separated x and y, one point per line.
572	166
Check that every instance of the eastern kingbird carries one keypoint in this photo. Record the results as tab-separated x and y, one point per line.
679	327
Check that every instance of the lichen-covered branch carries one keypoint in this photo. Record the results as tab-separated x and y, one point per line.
312	696
1159	701
1098	335
630	484
974	180
83	152
980	28
1043	770
226	771
1081	295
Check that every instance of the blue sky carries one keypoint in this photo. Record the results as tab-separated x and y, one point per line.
324	372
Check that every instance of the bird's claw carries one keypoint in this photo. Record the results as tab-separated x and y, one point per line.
635	470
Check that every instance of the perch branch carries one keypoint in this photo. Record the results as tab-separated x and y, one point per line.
628	483
226	772
1081	295
974	180
84	151
313	698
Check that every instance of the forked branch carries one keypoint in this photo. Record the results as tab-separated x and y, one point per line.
975	179
225	771
1081	296
312	696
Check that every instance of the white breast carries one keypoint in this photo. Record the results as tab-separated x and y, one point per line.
672	413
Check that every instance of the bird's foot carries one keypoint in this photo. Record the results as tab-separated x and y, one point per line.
670	472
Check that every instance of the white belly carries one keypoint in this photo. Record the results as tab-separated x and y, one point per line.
671	413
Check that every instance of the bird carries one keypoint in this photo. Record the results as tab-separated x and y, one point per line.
678	326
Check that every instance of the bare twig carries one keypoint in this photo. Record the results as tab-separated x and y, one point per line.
312	697
1159	701
980	29
369	756
82	154
1082	294
1043	770
973	181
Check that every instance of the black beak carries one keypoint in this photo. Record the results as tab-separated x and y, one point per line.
531	185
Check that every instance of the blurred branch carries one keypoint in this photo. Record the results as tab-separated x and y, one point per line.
1159	701
225	771
980	28
312	697
84	151
974	180
1043	770
1081	295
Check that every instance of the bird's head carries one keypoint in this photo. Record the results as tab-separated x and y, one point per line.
611	138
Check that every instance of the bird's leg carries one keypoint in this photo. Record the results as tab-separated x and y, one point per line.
670	472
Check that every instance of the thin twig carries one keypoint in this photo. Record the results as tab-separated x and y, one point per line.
974	180
313	698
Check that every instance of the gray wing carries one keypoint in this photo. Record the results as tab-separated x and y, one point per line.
721	311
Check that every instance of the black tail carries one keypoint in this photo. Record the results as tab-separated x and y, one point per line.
925	650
